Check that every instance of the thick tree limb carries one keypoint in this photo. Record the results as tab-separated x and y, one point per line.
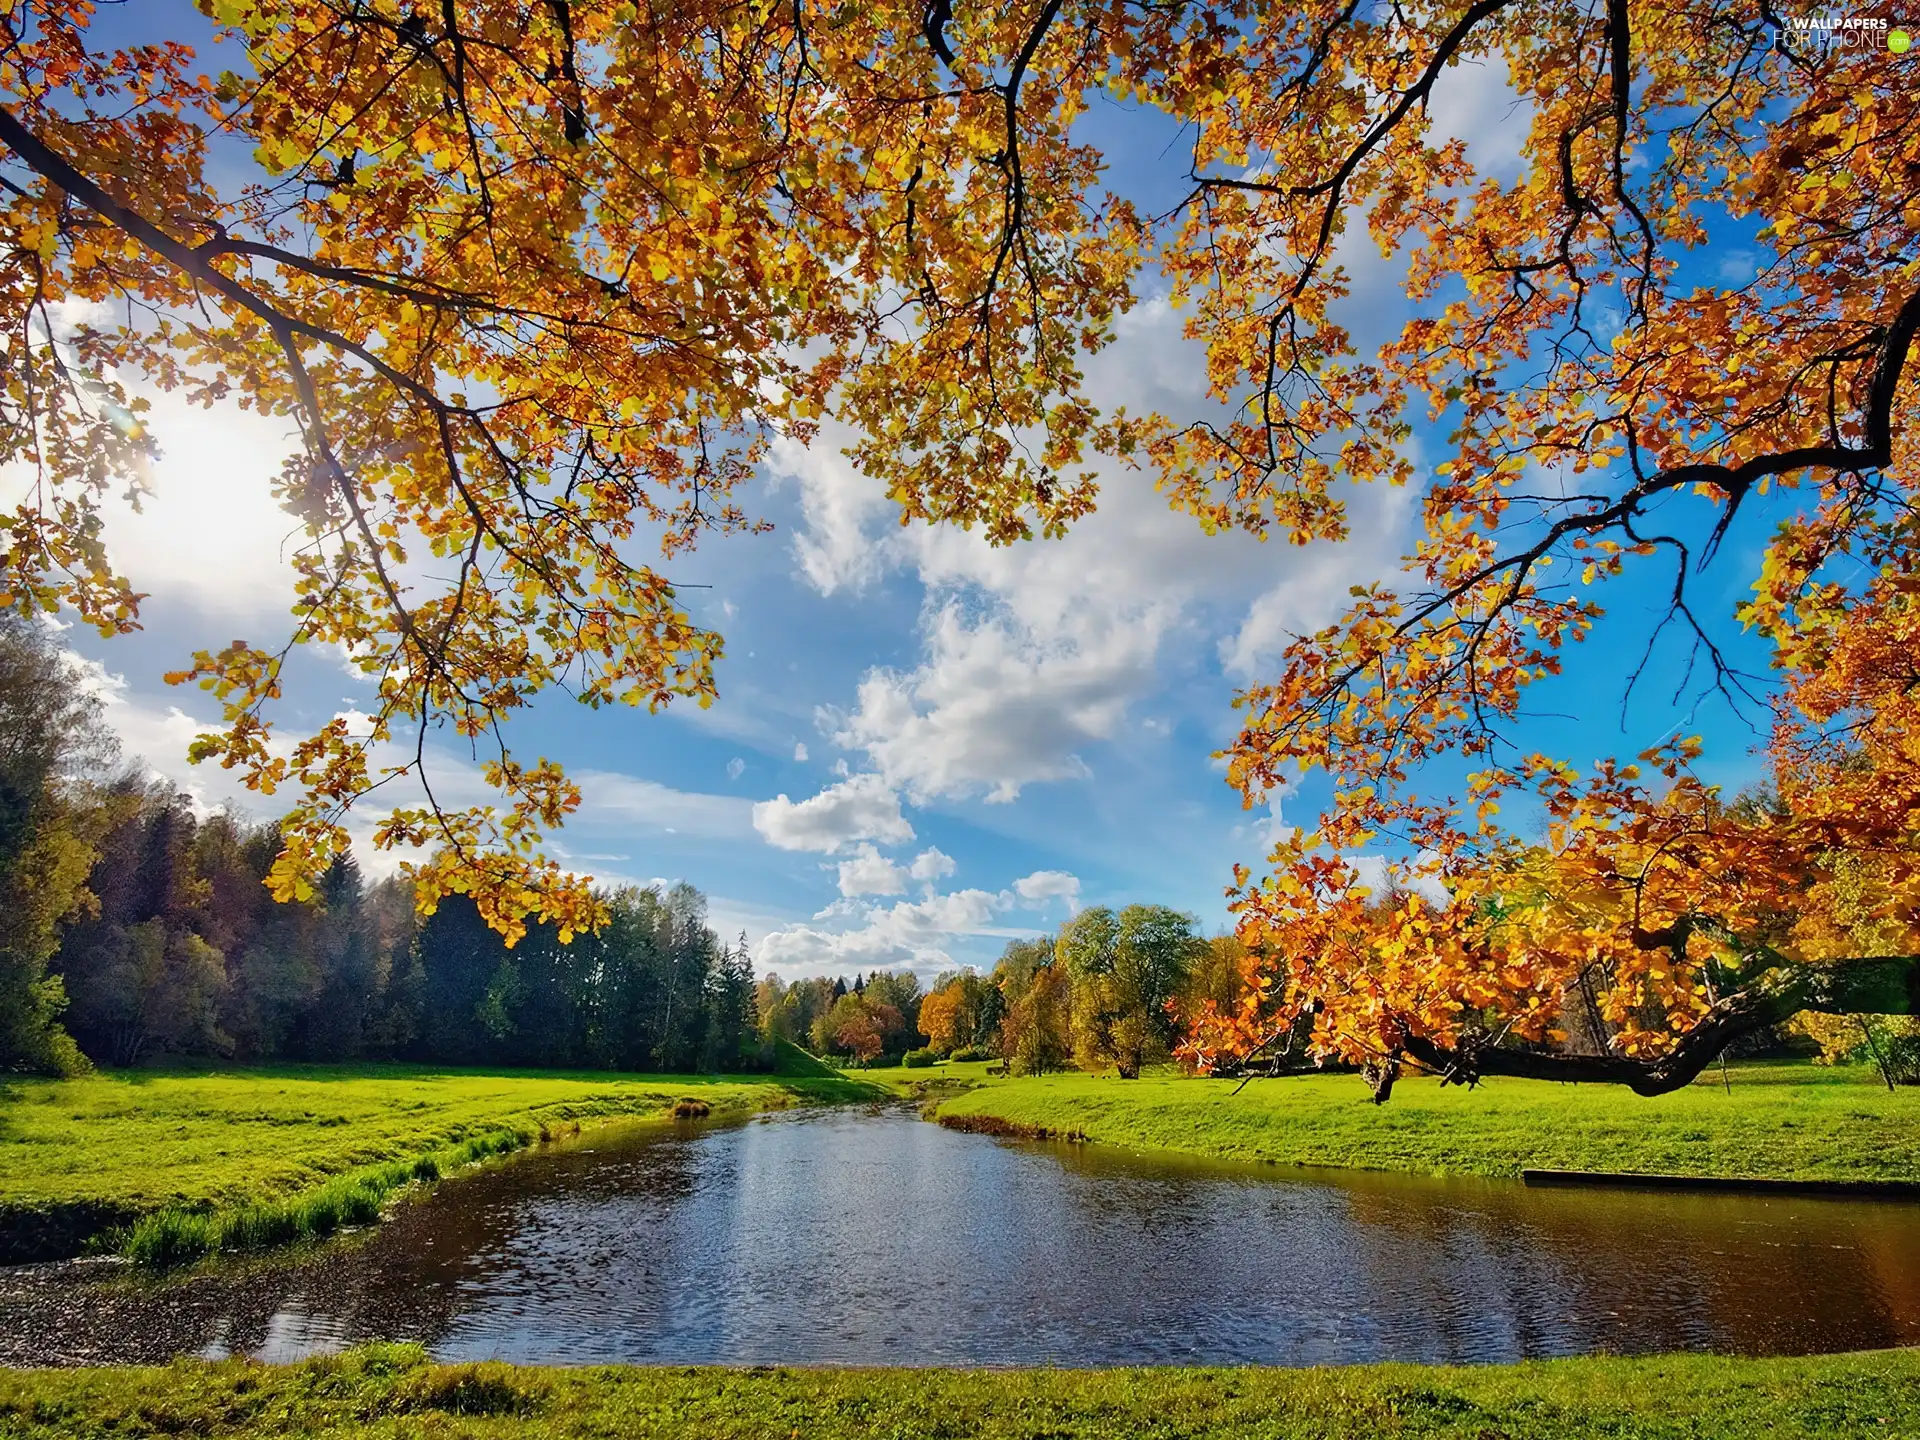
1875	985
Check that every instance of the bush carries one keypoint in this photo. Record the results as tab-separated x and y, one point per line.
971	1052
1903	1059
918	1059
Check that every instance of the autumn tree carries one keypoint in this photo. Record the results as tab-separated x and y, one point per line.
943	1019
858	1027
537	282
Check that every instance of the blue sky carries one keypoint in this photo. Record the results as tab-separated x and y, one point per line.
923	746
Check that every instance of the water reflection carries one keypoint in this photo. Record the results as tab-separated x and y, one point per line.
843	1237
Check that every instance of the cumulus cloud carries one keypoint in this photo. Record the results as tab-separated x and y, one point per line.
1031	655
1044	885
871	873
907	932
913	933
993	709
839	507
861	807
930	865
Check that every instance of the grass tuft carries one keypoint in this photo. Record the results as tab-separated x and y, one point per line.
172	1237
487	1387
179	1236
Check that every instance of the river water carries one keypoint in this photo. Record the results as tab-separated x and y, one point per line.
849	1237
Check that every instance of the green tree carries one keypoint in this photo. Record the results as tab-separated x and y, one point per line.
51	739
1125	970
1035	1033
732	1021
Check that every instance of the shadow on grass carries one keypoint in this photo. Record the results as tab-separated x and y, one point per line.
794	1070
812	1077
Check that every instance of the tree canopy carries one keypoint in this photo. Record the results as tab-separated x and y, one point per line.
539	280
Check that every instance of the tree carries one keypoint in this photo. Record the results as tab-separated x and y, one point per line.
856	1027
899	990
732	1020
530	277
944	1021
142	977
1126	969
51	736
1036	1026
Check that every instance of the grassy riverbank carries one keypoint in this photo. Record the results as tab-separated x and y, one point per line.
1790	1121
392	1392
200	1159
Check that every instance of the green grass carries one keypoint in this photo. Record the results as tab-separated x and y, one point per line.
192	1160
1791	1121
390	1391
941	1072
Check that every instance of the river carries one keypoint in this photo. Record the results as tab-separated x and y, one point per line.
872	1237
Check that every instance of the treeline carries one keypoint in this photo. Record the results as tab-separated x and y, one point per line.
1108	990
185	952
132	927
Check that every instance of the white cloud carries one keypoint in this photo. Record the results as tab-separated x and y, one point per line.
839	504
1316	588
625	801
862	807
871	873
1044	885
914	933
993	709
908	932
800	753
1475	101
1032	654
1380	874
736	767
931	865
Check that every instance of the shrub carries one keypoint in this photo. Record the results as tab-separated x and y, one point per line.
918	1059
1903	1059
971	1052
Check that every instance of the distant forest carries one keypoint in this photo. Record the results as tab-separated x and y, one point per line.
181	950
133	926
187	953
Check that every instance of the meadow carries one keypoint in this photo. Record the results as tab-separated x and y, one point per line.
180	1161
391	1391
1776	1120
